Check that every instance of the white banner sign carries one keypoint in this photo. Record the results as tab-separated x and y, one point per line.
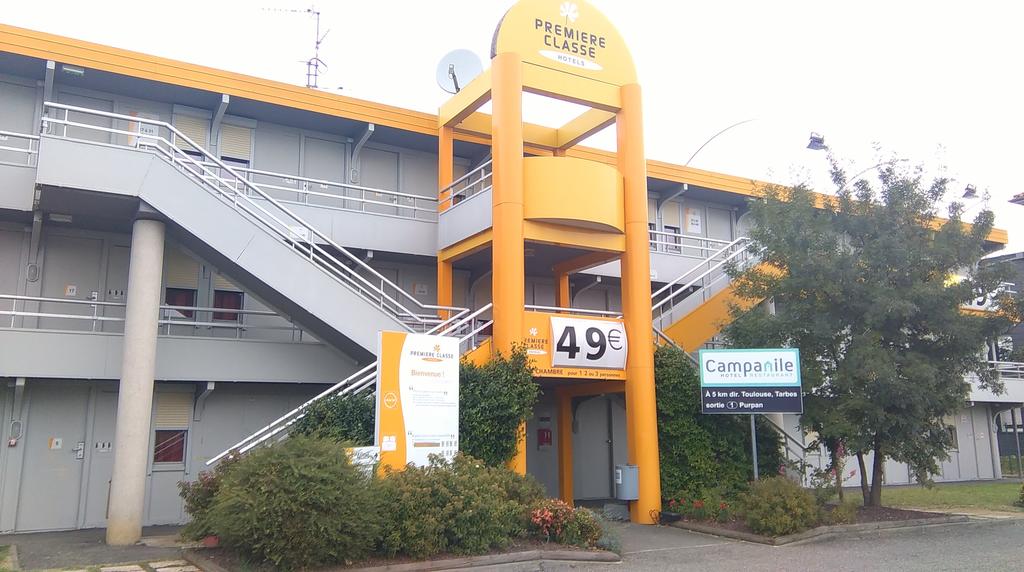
768	367
599	344
417	398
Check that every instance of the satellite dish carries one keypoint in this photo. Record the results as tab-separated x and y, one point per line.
456	69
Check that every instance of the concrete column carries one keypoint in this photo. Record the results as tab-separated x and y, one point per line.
135	394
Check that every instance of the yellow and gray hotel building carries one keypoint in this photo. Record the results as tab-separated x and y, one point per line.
186	254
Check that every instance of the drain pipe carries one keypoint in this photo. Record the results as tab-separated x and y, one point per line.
354	166
201	401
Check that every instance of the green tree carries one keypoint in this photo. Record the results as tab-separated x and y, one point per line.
495	399
704	452
343	417
861	284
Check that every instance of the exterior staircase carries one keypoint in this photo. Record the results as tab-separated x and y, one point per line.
232	222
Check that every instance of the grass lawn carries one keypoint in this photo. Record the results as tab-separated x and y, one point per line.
4	551
987	496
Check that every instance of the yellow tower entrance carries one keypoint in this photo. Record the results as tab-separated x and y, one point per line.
544	195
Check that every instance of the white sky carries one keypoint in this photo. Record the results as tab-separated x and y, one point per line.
937	82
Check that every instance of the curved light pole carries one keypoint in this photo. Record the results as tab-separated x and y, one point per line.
684	187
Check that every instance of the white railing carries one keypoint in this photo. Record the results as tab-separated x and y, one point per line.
172	321
1008	369
268	213
679	244
703	277
28	149
342	196
578	311
477	181
469	326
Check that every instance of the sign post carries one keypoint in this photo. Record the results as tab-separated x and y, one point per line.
750	381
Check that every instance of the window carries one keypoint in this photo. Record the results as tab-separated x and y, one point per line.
169	446
180	297
955	444
674	242
227	300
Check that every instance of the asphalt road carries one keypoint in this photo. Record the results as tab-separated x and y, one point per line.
983	546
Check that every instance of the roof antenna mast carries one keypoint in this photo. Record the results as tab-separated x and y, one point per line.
313	64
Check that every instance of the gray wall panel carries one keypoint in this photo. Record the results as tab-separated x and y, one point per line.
469	217
17	186
86	355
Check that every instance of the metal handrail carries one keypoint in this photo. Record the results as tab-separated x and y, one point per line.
306	192
355	383
30	151
1008	369
300	408
316	254
561	310
672	243
457	323
716	254
163	319
700	277
463	192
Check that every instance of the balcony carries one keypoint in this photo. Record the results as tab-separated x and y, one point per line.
81	339
1011	374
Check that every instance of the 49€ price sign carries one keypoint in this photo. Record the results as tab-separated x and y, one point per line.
582	343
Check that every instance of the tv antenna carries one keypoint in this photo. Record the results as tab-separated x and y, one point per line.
314	63
456	69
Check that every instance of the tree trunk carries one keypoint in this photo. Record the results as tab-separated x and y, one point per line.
864	490
837	466
876	477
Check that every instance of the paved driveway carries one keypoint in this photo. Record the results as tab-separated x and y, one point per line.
987	546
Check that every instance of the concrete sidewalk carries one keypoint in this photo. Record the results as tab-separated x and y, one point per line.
82	548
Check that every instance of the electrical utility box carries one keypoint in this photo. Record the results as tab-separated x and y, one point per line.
627	482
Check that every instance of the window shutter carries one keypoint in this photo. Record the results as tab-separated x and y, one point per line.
670	215
236	142
173	410
222	283
652	210
180	271
195	128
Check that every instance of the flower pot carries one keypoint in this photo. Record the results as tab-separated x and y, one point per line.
212	541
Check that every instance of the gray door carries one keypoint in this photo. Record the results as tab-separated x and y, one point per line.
51	474
592	445
19	117
99	453
324	160
116	287
71	271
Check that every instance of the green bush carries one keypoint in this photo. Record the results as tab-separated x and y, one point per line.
844	513
777	506
702	452
463	507
494	400
297	504
345	418
554	520
1020	498
198	496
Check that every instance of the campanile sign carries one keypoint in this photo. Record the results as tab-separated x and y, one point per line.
750	381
